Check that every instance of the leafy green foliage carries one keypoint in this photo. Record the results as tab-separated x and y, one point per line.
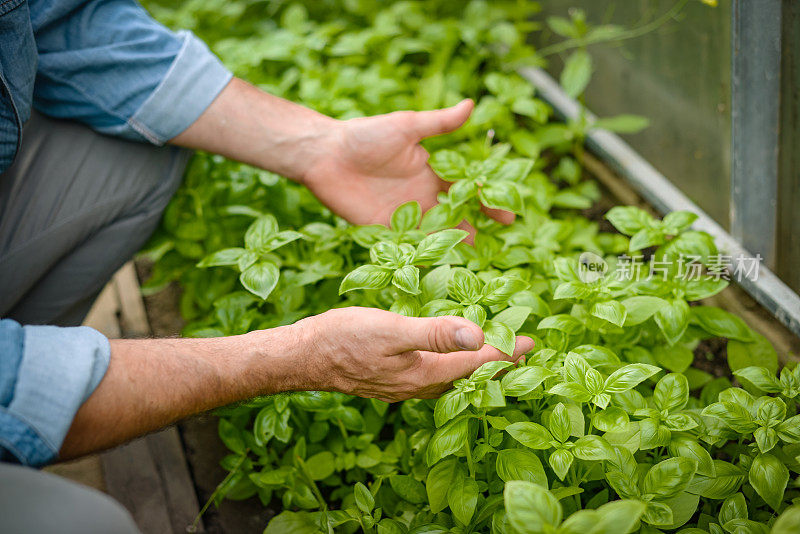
606	428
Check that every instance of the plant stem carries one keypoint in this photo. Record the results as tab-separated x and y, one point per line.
629	34
313	485
470	462
217	490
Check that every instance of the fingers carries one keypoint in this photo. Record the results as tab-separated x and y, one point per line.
439	334
450	367
441	121
501	216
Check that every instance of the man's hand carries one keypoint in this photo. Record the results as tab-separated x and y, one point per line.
375	353
371	165
362	169
151	383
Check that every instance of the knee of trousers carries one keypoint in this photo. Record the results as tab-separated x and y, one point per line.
33	501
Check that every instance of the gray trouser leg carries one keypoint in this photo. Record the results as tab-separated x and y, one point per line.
33	502
74	207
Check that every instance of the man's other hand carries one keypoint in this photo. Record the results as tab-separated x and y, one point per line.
370	165
375	353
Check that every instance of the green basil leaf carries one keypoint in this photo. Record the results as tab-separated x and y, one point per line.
726	482
734	507
789	430
513	317
408	488
571	390
788	522
610	310
532	435
226	256
560	460
449	406
576	73
259	232
386	254
462	191
622	484
733	415
500	289
766	438
475	313
563	323
407	279
658	514
597	356
678	221
629	219
464	286
435	246
500	337
321	465
686	447
448	164
645	238
489	396
618	517
260	278
719	322
594	448
520	464
366	277
441	478
502	196
676	358
683	507
641	308
673	319
488	370
523	380
463	499
671	392
280	239
364	498
406	217
514	170
760	377
668	478
627	124
447	440
759	352
441	307
769	476
575	368
434	284
611	419
368	235
628	377
530	508
559	423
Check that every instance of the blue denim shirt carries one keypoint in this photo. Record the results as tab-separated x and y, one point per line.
107	64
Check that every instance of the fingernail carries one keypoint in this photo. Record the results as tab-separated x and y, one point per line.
466	339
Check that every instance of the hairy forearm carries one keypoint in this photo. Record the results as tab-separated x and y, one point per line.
152	383
249	125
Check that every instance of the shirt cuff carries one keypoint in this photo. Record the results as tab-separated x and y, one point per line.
193	81
59	370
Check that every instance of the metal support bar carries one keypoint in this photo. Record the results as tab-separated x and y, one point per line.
755	102
767	289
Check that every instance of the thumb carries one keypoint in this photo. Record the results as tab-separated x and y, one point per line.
441	334
442	121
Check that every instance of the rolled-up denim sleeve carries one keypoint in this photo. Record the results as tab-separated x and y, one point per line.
108	64
46	373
